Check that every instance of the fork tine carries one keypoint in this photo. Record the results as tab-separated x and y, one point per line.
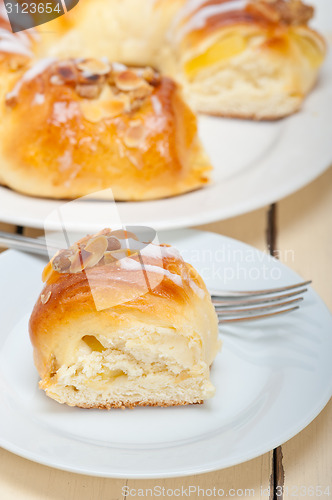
268	291
253	310
260	316
220	304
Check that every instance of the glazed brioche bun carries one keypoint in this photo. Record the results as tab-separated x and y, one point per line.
94	125
120	333
248	59
130	31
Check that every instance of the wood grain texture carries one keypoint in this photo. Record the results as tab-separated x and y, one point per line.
305	234
305	244
21	479
9	228
253	476
249	228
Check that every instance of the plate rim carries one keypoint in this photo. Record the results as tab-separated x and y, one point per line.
185	221
212	466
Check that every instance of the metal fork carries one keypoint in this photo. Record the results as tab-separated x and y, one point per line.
252	305
231	306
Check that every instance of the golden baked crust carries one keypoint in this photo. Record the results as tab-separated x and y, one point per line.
95	328
94	125
125	404
257	59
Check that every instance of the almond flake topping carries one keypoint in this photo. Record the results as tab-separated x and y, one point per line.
128	80
44	298
134	135
94	67
90	251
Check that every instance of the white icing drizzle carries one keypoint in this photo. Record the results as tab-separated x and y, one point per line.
3	12
157	251
198	20
64	111
157	106
34	71
14	45
39	99
116	66
66	160
196	289
132	265
166	251
151	250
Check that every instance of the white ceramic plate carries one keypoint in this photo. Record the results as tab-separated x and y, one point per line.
272	378
255	164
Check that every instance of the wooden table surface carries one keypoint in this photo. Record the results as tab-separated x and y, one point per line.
299	229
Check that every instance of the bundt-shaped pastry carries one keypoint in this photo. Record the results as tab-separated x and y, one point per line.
77	126
73	123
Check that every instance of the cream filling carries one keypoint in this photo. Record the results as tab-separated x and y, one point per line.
163	367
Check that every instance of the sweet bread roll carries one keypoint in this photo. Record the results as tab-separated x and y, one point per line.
94	125
130	31
246	58
120	332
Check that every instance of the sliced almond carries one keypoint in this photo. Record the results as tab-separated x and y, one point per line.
67	71
109	258
116	107
98	244
89	90
95	111
76	262
94	67
56	80
92	259
151	76
294	12
113	243
128	80
61	262
44	298
91	255
138	96
134	135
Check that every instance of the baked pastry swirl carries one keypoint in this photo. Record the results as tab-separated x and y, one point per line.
95	125
253	59
90	130
246	58
115	331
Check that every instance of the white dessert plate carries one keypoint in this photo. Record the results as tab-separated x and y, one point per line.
254	164
272	379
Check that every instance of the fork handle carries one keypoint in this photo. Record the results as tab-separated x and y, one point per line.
19	242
